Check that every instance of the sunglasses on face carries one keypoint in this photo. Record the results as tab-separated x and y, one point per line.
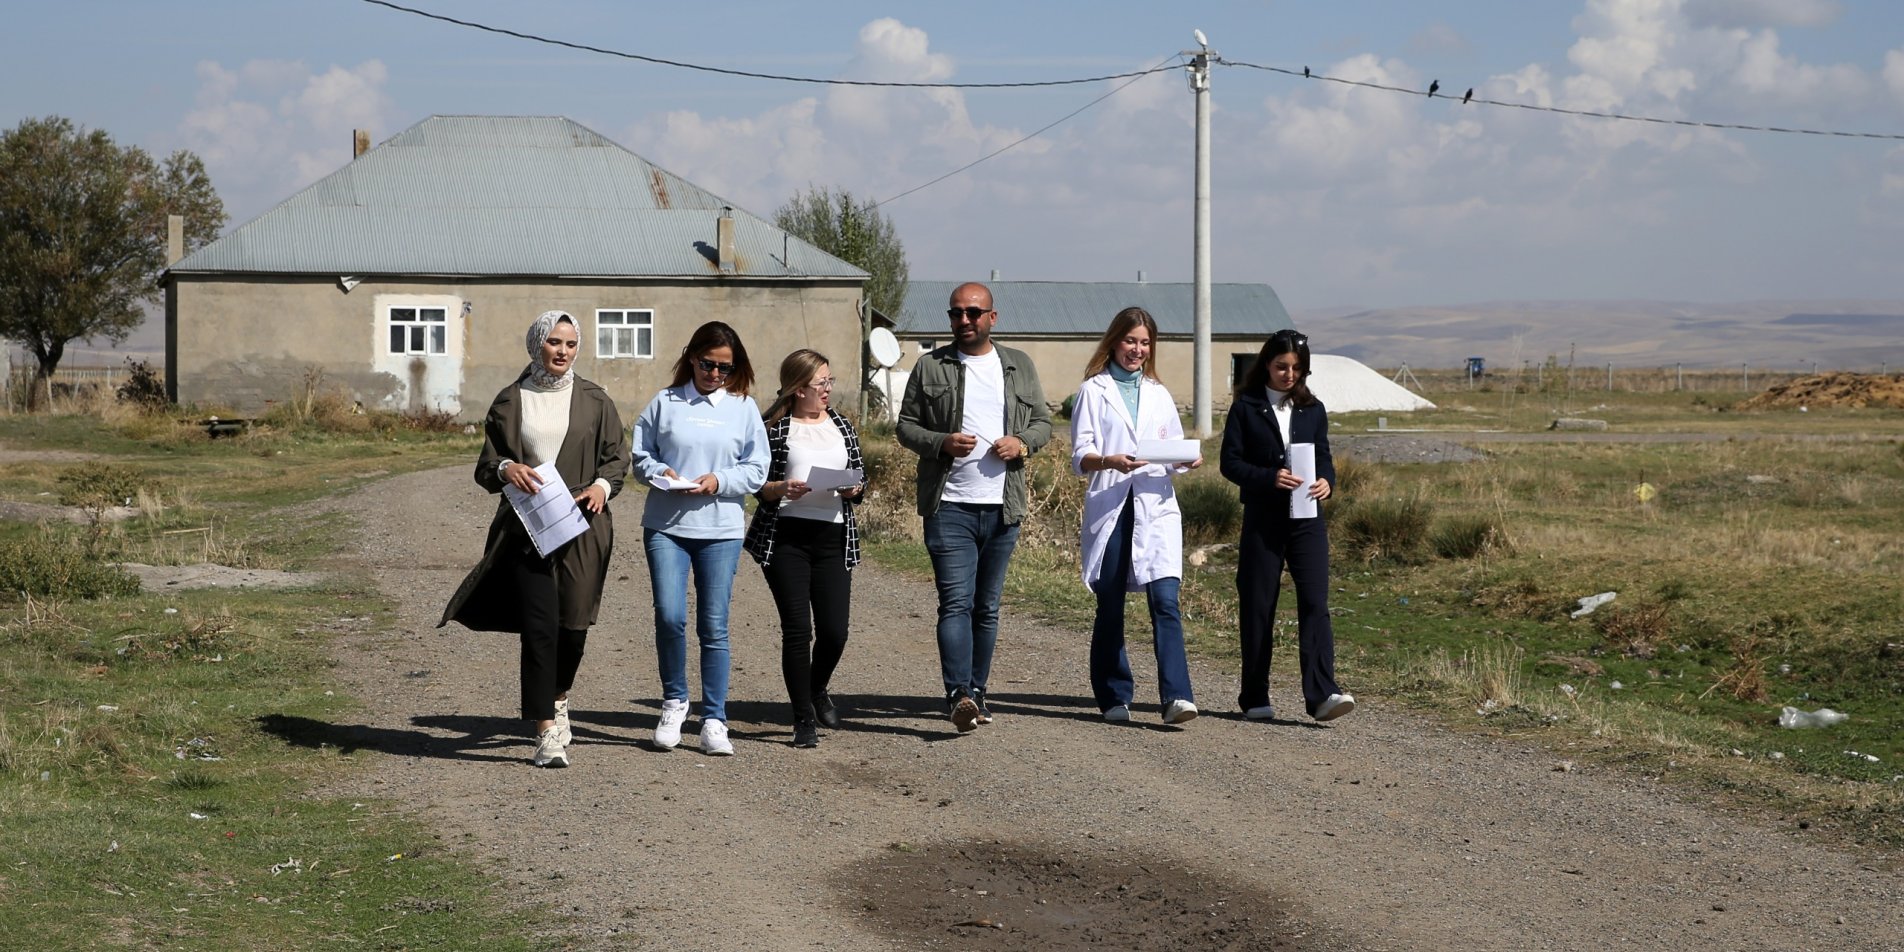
710	367
970	313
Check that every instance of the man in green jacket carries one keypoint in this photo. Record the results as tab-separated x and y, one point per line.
973	411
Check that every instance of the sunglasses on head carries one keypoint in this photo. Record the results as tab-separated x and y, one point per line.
1291	336
972	313
708	367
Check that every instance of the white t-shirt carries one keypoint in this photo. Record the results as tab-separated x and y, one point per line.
810	444
980	476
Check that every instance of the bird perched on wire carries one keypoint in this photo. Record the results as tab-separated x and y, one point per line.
1305	72
1434	86
1468	98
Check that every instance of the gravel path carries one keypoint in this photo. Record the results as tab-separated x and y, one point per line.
1046	830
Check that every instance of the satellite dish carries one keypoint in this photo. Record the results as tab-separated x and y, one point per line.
883	346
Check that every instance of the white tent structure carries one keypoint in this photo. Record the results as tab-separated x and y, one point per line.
1346	385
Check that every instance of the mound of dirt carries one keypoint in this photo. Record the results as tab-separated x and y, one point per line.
1833	390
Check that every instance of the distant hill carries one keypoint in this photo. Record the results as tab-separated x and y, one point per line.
1779	335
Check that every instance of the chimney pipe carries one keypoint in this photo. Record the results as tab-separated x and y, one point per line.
724	241
174	239
359	142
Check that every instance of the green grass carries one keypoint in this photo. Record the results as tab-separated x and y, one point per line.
1765	572
122	718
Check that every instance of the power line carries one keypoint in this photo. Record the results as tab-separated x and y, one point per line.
678	64
1038	132
1588	113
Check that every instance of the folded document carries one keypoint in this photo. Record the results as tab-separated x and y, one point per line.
550	513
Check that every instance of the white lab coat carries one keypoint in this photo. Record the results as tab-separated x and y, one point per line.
1101	425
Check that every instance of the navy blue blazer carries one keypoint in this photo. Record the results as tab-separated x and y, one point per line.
1253	447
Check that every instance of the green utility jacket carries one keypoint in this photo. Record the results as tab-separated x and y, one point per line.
934	408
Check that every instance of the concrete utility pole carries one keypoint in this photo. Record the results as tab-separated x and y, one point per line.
1199	69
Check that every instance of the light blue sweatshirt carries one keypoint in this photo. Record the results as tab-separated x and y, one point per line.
695	434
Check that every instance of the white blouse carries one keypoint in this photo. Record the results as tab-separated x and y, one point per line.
810	444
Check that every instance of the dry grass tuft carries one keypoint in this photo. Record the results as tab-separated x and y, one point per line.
1636	631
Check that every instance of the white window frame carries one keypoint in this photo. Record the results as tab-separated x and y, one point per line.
624	333
418	341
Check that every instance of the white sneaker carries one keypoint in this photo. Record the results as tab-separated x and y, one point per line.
714	740
562	722
1264	713
549	752
1118	714
667	732
1179	711
1336	706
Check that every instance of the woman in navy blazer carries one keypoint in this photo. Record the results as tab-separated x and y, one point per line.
1272	410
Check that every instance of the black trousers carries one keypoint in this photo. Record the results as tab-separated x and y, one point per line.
813	590
551	654
1271	540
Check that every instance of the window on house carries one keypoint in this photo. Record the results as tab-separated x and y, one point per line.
419	330
624	333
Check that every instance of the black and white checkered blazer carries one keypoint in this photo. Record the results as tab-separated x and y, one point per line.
760	535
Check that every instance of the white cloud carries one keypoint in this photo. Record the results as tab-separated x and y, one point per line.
1894	73
270	127
1755	13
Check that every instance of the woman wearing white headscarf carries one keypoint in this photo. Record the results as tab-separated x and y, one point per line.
549	413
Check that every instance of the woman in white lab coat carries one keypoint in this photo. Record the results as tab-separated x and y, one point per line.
1132	539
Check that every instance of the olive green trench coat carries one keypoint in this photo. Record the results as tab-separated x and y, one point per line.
595	448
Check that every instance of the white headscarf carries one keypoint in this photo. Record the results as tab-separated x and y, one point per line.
537	374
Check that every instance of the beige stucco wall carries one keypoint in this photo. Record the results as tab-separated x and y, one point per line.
1061	362
247	342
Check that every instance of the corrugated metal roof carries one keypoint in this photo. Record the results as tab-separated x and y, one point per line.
1085	308
506	195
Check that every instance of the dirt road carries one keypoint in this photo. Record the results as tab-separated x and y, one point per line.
1047	830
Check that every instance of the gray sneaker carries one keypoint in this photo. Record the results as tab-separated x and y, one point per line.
549	752
562	722
1118	715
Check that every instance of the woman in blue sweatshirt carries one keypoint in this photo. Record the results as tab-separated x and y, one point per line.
702	447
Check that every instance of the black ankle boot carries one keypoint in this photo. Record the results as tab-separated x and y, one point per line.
825	711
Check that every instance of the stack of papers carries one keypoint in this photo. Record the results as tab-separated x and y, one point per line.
550	513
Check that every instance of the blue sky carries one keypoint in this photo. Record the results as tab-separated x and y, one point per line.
1336	196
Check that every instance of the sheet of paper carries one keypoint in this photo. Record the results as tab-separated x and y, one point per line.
550	513
671	482
822	478
1302	462
1169	451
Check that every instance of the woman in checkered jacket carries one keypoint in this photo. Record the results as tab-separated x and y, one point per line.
806	540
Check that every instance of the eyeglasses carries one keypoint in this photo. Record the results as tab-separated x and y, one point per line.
708	367
1291	336
970	313
826	384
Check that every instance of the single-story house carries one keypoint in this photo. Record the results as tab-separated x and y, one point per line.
408	276
1058	323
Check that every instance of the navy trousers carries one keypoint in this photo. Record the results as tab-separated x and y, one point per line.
1271	540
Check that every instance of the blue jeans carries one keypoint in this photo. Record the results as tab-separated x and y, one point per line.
713	562
1111	681
971	547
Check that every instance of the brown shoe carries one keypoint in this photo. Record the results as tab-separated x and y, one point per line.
965	714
